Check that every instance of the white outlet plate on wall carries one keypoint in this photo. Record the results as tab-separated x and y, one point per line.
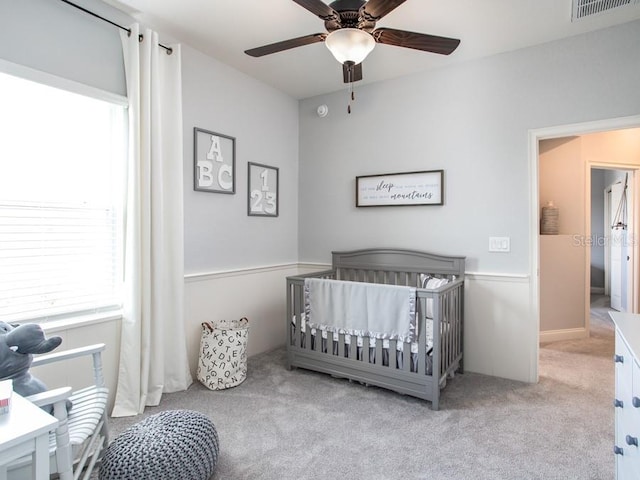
499	244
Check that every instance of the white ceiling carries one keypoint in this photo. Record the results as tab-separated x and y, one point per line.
224	29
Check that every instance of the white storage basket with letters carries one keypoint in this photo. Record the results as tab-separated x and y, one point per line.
223	353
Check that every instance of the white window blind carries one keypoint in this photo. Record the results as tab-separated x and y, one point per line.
57	259
61	183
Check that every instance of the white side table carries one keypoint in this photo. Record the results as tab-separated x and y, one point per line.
23	431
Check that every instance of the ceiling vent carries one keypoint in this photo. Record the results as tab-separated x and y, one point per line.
588	8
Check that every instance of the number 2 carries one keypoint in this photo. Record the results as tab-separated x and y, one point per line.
256	205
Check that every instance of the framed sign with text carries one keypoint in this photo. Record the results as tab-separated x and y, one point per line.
263	190
214	162
400	189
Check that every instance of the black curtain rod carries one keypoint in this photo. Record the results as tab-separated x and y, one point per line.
128	30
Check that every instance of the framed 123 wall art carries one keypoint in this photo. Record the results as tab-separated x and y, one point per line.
214	162
263	198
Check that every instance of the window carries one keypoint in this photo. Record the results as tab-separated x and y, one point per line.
61	194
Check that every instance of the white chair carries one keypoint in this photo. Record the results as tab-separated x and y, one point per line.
79	441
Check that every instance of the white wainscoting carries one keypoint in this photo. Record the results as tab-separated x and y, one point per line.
256	293
501	335
78	373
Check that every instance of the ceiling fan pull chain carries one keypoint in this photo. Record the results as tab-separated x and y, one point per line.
352	97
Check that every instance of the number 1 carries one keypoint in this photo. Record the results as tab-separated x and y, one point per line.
264	175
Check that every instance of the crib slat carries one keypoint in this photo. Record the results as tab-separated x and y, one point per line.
444	344
297	289
437	340
393	352
379	351
406	358
452	328
454	303
422	336
302	317
354	274
291	332
457	320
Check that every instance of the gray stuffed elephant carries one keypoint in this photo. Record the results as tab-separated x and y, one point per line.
18	343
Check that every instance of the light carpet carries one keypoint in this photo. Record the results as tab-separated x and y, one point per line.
282	424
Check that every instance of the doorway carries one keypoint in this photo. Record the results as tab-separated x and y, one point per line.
535	136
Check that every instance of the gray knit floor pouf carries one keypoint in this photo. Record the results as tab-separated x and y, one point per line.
170	445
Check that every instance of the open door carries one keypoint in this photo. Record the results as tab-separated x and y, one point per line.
619	253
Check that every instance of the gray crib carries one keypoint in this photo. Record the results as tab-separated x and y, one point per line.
420	371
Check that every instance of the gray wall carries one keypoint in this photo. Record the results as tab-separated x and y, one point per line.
597	227
472	120
56	38
218	232
51	36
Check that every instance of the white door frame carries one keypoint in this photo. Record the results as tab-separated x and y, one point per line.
534	243
607	245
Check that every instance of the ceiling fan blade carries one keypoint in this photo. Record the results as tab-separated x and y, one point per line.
319	8
376	9
417	41
351	73
286	45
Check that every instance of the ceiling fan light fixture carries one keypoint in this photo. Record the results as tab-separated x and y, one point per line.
350	44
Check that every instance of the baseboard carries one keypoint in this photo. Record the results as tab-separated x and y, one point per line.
597	290
565	334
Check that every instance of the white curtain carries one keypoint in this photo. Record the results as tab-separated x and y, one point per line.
153	353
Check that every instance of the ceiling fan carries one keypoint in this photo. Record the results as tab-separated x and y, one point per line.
352	34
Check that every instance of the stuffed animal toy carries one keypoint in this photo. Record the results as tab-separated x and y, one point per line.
18	343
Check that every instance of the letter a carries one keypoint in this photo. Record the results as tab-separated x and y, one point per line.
215	152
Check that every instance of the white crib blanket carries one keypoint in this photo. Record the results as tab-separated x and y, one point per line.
364	309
